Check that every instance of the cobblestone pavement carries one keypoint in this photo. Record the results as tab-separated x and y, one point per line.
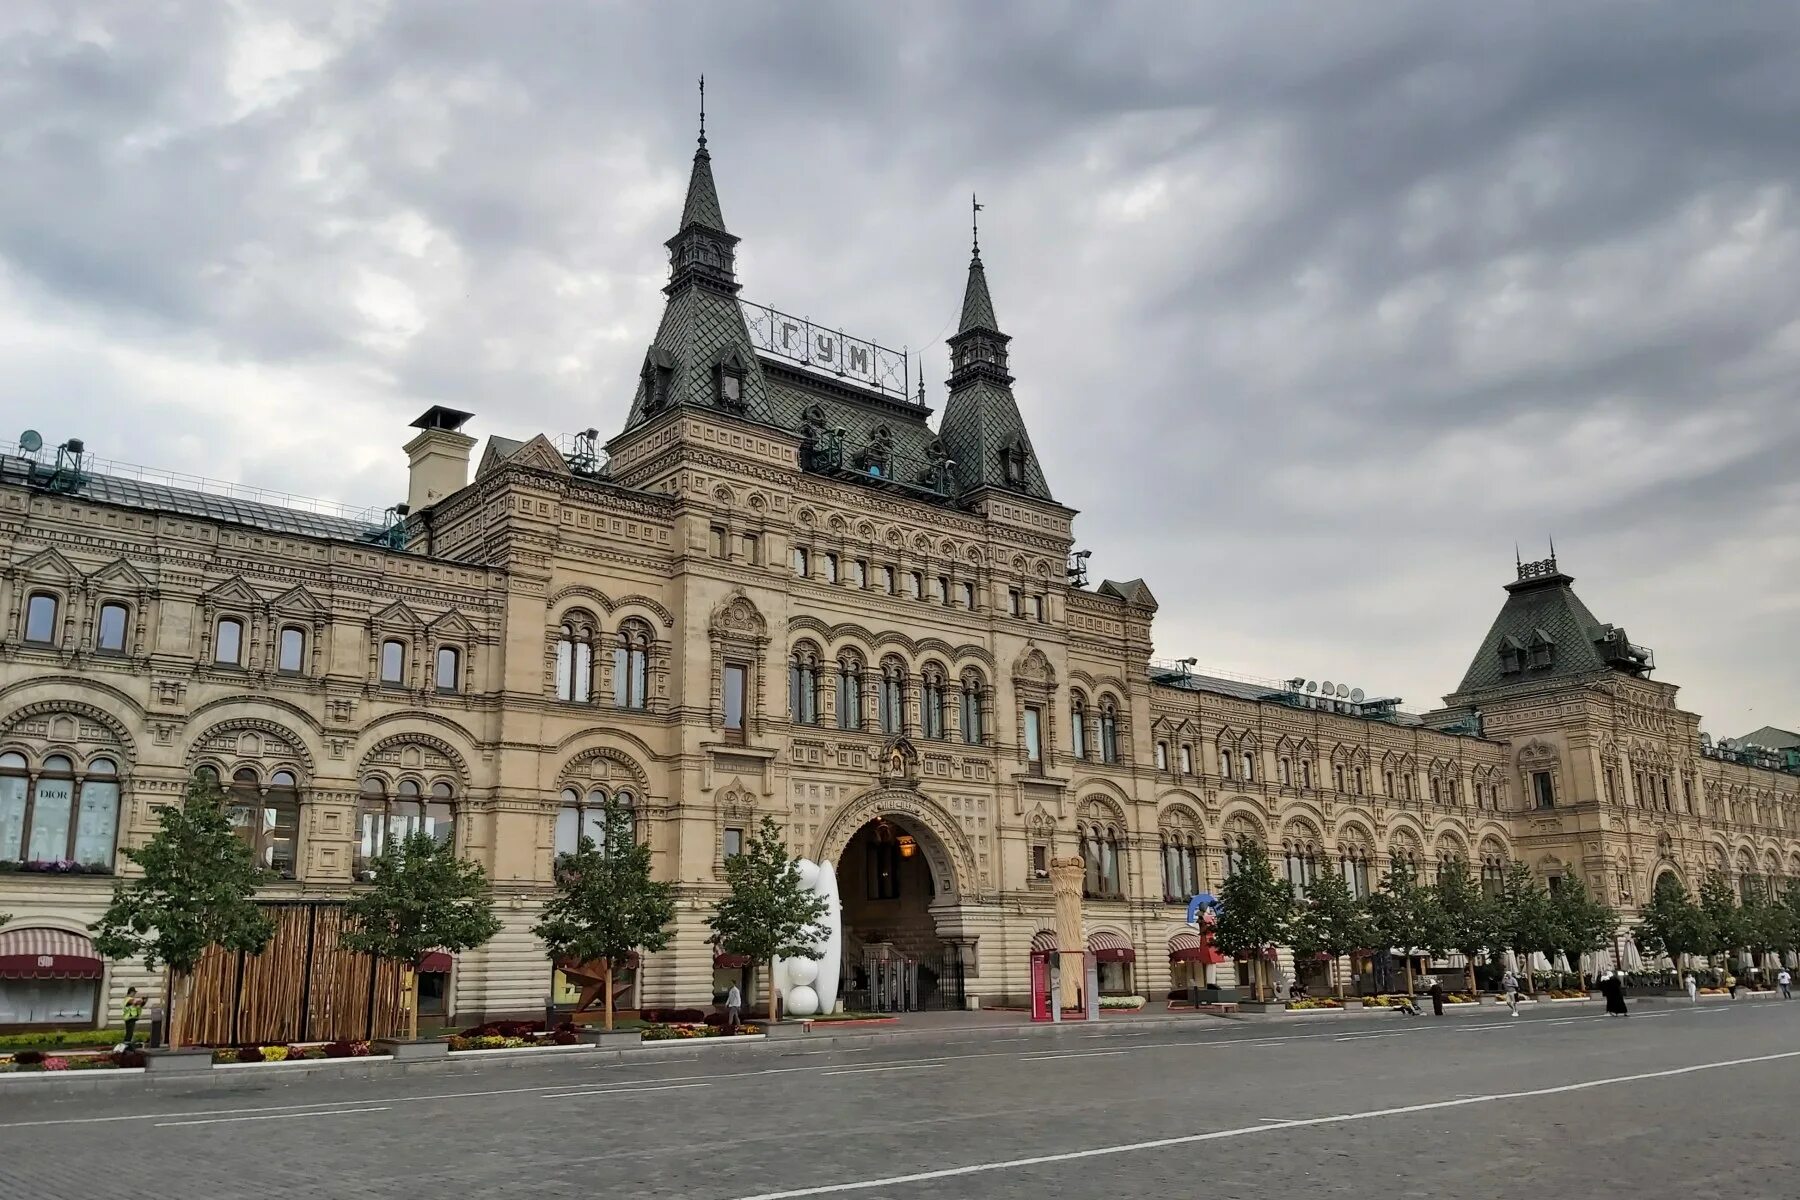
1674	1101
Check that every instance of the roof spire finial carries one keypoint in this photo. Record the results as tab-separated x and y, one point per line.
1518	559
703	110
975	226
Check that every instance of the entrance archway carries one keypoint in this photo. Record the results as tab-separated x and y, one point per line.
894	879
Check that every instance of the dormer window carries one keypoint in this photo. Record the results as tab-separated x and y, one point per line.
1512	656
728	382
658	378
1012	465
1543	650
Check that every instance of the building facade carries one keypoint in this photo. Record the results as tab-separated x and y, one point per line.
778	590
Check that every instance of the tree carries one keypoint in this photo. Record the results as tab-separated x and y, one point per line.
1469	919
1579	922
767	913
1722	932
1671	924
1329	922
1522	912
1766	924
606	905
1405	916
197	890
1254	907
424	899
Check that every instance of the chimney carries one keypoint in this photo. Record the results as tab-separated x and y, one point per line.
438	459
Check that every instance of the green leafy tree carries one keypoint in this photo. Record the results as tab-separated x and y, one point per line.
1767	925
1330	921
1405	916
1671	924
1470	923
606	905
424	898
197	889
767	913
1723	931
1254	908
1522	912
1580	923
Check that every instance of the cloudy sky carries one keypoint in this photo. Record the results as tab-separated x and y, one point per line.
1317	309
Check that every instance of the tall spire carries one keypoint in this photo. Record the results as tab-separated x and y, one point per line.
978	306
702	207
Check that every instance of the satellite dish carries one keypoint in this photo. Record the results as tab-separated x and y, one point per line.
1325	688
31	441
1356	695
1706	740
1343	691
1311	687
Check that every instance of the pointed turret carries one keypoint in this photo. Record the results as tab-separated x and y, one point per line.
982	429
702	354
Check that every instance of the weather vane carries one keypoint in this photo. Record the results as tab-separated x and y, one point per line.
975	223
703	110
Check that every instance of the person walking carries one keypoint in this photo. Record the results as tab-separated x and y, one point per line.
134	1012
1509	986
734	1006
1693	988
1731	983
1437	997
1787	982
1612	986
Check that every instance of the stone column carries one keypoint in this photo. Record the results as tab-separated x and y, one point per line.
1065	880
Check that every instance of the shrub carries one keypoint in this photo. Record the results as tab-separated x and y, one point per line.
1122	1002
274	1053
128	1058
29	1058
346	1049
249	1054
564	1037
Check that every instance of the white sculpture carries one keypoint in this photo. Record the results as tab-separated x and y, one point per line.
809	985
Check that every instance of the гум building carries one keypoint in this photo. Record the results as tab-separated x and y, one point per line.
781	593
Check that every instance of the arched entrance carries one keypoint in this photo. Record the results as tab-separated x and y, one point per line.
895	880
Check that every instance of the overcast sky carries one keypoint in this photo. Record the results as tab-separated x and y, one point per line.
1316	309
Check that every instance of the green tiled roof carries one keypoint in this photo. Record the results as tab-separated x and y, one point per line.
1541	608
978	306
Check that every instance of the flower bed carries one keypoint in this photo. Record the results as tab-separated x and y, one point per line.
1314	1002
31	1061
1124	1002
286	1053
684	1031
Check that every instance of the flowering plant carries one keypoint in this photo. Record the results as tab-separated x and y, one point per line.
56	1063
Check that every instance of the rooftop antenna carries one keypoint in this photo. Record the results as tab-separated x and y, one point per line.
1357	695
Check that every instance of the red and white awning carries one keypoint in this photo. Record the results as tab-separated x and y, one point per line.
1043	939
1107	946
1194	947
48	954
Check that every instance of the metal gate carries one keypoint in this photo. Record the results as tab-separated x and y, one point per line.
932	983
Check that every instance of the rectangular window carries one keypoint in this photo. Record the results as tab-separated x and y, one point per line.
752	549
890	581
449	662
228	649
734	842
718	542
1037	608
1015	603
831	568
915	585
735	675
1162	756
1040	862
40	619
1543	788
1034	737
802	563
293	651
859	573
1187	760
968	596
393	661
940	589
112	629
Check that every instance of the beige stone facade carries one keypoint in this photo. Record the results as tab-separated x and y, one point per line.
544	626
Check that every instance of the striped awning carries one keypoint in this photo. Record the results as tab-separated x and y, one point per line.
436	963
1043	939
1107	946
48	954
1194	947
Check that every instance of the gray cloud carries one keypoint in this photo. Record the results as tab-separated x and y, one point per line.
1316	308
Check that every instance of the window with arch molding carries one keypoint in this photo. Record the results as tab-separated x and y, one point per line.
1187	759
1300	863
1337	776
1358	780
291	651
931	702
1180	865
1109	731
1225	761
1078	725
1493	871
228	642
582	814
53	811
449	669
387	816
1353	865
1306	773
891	700
1284	771
40	618
393	662
803	686
265	815
109	634
631	665
1162	756
1100	852
575	659
971	713
849	692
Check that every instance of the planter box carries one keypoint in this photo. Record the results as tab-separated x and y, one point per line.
778	1030
1352	1004
1261	1006
178	1062
618	1039
401	1050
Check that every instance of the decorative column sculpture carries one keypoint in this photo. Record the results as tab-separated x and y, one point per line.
1065	882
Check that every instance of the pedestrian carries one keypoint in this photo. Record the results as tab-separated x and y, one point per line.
1437	997
1612	986
1787	982
1731	984
1509	987
1693	988
134	1012
734	1005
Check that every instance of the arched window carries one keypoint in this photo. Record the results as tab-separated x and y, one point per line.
1353	865
267	820
1249	766
583	815
971	711
931	702
1111	883
51	815
449	669
1236	849
1109	732
1406	786
1226	755
1078	725
1187	759
387	819
1301	858
849	692
228	645
1090	860
40	619
393	661
1337	776
631	665
291	659
1162	756
1388	783
575	660
892	698
1180	866
1306	773
109	638
52	810
803	686
1359	780
1284	771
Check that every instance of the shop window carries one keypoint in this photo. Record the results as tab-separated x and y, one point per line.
55	815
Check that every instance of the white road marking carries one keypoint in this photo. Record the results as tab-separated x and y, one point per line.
338	1112
1072	1054
874	1070
863	1185
622	1091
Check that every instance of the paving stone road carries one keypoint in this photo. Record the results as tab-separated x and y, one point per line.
1673	1101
